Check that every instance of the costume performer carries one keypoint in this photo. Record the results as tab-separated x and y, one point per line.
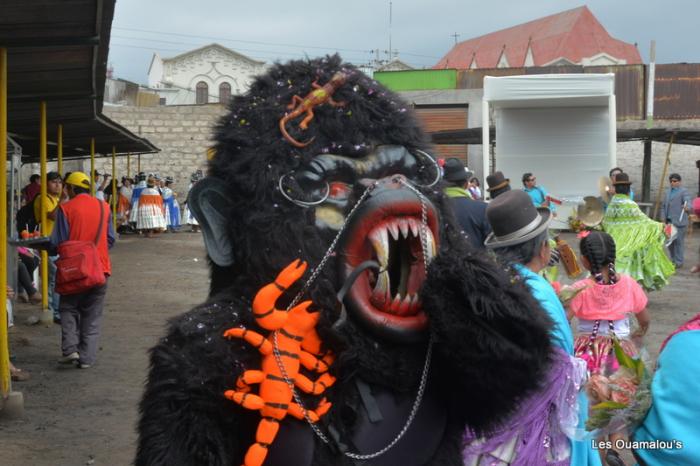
557	412
639	240
171	206
149	216
187	217
135	194
124	205
604	305
351	192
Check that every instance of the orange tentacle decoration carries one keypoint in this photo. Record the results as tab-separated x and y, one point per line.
305	106
298	345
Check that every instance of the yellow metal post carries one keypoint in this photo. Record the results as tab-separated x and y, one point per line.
4	345
46	316
115	196
59	150
92	166
128	165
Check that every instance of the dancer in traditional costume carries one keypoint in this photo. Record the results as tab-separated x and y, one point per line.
602	308
187	217
171	206
124	202
557	412
135	194
419	349
639	239
150	218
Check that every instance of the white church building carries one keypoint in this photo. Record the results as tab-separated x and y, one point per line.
209	74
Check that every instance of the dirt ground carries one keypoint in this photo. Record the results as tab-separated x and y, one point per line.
79	417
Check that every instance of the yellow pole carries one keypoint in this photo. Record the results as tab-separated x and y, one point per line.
92	166
46	316
128	165
59	149
115	196
4	345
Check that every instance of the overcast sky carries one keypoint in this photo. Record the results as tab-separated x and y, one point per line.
421	31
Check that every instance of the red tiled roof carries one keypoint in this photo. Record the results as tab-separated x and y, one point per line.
573	34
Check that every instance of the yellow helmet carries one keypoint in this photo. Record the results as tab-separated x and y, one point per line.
78	179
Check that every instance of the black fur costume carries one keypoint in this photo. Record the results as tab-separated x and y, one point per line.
490	337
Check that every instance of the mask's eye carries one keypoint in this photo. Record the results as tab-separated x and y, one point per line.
339	190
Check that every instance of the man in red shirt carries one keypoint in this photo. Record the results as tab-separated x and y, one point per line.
81	313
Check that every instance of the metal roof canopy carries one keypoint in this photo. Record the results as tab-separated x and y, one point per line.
57	52
687	136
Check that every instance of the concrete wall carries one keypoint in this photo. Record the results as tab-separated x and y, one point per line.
183	133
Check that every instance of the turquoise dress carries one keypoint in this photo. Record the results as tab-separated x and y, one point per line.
582	452
675	405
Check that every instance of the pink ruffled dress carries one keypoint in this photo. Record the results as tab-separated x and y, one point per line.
603	310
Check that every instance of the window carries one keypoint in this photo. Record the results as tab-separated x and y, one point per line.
224	93
202	93
161	101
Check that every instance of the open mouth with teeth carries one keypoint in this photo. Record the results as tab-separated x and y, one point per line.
389	230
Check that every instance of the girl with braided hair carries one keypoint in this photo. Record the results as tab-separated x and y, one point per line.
603	306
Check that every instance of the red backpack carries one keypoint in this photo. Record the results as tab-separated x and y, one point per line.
79	267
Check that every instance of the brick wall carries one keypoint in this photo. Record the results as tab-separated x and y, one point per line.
182	132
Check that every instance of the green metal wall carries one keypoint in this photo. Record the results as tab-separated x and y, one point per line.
417	80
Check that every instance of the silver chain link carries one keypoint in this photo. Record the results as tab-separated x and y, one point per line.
429	350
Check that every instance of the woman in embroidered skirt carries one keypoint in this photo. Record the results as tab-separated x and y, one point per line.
149	217
639	239
602	308
187	216
124	203
171	206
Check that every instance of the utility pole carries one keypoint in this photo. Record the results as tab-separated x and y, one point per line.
390	31
455	35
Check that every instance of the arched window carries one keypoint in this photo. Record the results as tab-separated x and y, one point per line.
224	93
202	93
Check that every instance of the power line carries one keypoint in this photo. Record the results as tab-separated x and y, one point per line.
227	39
191	44
238	40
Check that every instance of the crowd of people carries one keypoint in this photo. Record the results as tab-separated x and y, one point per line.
625	258
145	206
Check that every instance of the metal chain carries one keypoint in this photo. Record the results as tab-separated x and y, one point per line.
429	351
424	221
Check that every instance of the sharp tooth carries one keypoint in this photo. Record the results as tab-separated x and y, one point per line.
414	303
380	241
403	224
380	294
405	305
415	227
393	229
396	304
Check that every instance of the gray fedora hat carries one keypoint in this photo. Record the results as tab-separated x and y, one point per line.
454	170
514	219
